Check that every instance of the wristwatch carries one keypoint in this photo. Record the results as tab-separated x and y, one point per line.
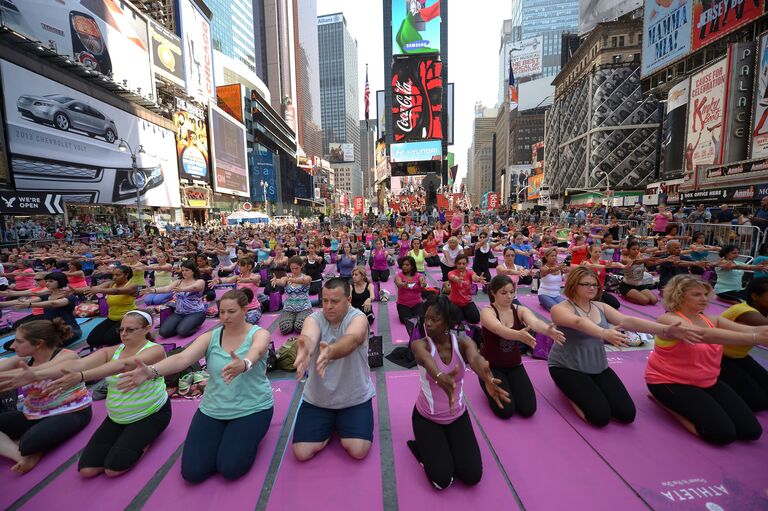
248	365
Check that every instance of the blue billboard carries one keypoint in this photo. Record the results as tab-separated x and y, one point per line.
416	151
261	167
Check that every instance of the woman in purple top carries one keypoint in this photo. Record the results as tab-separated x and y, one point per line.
445	442
379	266
404	246
189	312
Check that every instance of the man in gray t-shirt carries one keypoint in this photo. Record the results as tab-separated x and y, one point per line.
333	349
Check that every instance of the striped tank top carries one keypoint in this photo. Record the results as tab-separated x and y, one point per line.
139	403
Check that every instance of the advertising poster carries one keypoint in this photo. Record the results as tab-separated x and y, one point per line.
198	52
359	205
341	153
167	58
416	151
492	201
230	166
108	36
527	57
738	108
262	170
534	186
592	12
415	27
381	108
230	99
64	141
192	142
449	115
713	19
673	143
706	108
666	33
5	173
417	95
760	120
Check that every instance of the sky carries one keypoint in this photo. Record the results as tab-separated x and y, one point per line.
473	56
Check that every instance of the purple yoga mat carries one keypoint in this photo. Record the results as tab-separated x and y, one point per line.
15	486
397	330
87	494
331	480
414	491
217	493
548	449
666	465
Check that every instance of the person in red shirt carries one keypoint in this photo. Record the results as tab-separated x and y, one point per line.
461	280
599	266
430	247
579	250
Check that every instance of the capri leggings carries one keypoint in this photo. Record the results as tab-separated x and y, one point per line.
469	313
42	435
447	451
599	396
379	275
521	395
718	413
105	334
289	322
748	378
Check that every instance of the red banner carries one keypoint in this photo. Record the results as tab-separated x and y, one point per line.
359	205
406	202
493	201
713	20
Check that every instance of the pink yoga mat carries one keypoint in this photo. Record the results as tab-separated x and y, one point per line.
532	302
332	480
397	330
86	494
414	491
15	486
217	493
666	465
545	447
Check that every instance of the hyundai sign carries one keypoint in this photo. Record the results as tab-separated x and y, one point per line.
416	151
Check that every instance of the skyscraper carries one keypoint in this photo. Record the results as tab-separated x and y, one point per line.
232	30
368	156
550	19
308	77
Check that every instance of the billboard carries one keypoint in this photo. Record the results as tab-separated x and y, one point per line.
261	162
738	108
449	116
382	164
415	27
417	95
230	168
527	57
64	141
198	51
416	151
673	141
358	204
534	186
341	153
715	19
167	57
381	109
666	33
759	148
230	99
705	115
105	35
191	142
592	12
5	173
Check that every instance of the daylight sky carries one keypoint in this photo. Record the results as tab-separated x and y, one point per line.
473	55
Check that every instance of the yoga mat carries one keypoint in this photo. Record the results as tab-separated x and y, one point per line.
666	465
14	486
218	493
397	330
330	480
414	491
87	494
532	302
548	449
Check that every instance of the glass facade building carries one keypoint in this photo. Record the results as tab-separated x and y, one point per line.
550	19
308	78
233	31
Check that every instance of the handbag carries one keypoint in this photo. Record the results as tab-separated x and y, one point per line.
544	345
375	351
103	306
275	301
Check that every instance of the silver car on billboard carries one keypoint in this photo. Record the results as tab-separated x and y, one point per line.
67	114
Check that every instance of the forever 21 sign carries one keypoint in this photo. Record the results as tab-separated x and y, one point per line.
31	203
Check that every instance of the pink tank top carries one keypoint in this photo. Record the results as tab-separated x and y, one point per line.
432	402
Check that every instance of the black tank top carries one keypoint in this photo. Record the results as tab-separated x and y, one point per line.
358	299
314	269
501	353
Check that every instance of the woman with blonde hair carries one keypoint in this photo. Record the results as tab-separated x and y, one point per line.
685	377
579	366
362	293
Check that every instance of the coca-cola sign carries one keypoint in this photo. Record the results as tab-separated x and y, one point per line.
417	99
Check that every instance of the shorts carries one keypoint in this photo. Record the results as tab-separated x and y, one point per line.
624	288
315	424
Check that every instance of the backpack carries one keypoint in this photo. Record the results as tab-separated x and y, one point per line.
286	355
172	380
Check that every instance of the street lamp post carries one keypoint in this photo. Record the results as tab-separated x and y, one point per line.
137	182
264	186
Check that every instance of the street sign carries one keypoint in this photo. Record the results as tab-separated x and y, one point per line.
30	203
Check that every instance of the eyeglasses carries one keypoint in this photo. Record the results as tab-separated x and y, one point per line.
127	330
589	284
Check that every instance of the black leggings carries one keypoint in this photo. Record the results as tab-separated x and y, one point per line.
733	296
27	319
600	396
182	325
748	378
608	299
718	413
42	435
105	333
469	313
432	261
118	447
379	275
224	446
447	450
522	397
445	269
405	313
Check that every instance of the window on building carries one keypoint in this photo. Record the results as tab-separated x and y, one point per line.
614	41
621	40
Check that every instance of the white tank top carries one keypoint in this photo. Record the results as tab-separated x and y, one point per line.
550	284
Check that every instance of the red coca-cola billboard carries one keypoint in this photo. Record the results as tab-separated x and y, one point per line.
417	99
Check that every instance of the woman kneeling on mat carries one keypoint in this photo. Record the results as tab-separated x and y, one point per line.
504	325
409	285
685	378
362	293
121	298
135	418
237	406
445	441
297	306
739	370
44	422
461	289
189	311
579	366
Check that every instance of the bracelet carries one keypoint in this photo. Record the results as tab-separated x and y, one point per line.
155	374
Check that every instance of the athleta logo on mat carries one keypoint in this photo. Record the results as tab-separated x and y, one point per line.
698	492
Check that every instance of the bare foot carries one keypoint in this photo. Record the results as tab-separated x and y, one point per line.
27	463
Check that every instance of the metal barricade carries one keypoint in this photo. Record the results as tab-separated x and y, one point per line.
746	237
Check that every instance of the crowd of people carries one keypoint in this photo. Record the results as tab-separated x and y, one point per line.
324	278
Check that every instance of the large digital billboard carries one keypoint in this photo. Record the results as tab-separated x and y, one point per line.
191	141
673	141
341	153
167	56
230	99
527	57
262	170
666	33
63	141
230	165
759	148
107	36
198	52
417	95
715	19
415	27
416	151
706	109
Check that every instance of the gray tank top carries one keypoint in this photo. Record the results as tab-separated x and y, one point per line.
581	352
633	275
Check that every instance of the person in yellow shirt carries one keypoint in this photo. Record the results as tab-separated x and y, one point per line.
740	370
121	298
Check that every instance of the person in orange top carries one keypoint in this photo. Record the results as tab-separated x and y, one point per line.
685	377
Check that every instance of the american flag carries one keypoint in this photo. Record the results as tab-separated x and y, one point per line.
367	96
